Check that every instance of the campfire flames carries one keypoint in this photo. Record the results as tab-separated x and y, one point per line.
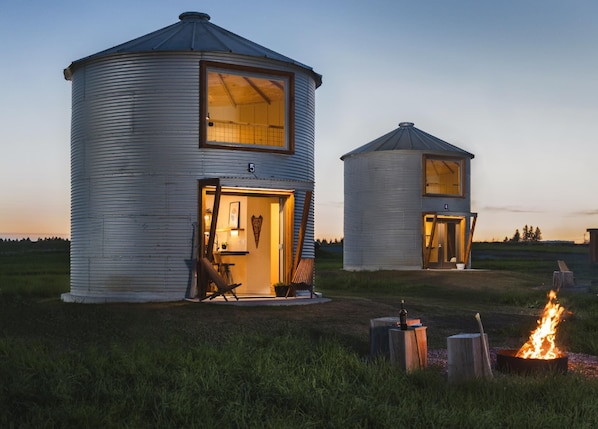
541	341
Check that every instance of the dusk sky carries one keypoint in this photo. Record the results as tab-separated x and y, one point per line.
513	82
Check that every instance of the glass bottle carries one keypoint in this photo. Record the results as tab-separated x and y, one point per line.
403	316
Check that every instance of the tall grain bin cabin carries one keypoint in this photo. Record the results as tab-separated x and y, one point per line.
187	143
407	203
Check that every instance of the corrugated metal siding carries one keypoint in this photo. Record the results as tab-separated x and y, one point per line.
382	211
135	162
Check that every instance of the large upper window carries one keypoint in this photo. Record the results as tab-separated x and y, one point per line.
246	108
443	175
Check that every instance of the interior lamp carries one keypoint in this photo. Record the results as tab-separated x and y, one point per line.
207	219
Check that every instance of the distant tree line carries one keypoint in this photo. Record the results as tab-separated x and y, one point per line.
26	244
529	235
325	242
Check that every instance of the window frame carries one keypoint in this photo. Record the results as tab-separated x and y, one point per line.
462	175
289	128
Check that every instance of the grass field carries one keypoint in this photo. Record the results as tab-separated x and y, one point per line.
198	365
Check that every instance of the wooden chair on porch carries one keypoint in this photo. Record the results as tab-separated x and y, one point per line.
222	286
223	268
303	278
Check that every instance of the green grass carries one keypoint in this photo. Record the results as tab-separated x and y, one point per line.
199	365
28	272
287	380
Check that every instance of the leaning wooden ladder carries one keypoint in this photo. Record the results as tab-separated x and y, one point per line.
222	285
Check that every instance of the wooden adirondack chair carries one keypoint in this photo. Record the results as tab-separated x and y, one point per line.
303	278
222	285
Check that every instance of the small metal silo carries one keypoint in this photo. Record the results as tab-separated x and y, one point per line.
185	125
407	203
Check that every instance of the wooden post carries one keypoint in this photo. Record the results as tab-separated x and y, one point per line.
465	357
470	241
408	349
429	244
593	245
302	228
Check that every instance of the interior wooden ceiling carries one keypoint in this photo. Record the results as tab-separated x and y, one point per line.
229	89
443	167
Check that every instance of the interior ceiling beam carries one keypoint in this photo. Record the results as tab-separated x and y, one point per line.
442	171
227	90
257	89
446	164
277	85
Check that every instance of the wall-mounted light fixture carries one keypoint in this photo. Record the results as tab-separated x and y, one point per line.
207	219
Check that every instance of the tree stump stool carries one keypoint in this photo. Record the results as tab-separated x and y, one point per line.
379	328
408	349
562	279
465	357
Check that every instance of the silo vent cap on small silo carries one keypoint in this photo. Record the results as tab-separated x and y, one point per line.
194	15
406	124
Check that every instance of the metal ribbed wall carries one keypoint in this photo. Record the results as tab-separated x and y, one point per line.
135	163
384	207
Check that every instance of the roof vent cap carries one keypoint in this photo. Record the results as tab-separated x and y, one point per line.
194	16
406	124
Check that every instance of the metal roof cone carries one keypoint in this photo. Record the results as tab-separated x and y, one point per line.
407	137
193	33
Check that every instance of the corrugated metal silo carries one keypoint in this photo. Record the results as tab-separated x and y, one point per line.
407	203
146	164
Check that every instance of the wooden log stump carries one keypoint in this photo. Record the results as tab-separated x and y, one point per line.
379	328
465	357
408	349
562	279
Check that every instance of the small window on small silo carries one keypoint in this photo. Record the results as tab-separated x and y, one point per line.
443	176
246	108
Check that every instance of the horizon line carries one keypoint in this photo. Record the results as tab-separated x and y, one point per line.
31	235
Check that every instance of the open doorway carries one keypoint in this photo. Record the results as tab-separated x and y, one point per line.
247	234
444	244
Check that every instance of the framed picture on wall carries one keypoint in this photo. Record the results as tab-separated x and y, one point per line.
234	210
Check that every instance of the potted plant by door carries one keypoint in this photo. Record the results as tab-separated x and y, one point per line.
280	289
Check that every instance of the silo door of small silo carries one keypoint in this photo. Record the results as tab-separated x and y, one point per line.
447	243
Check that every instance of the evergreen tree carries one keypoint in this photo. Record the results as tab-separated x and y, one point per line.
537	234
516	237
529	235
526	233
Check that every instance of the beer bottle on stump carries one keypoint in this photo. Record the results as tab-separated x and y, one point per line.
403	316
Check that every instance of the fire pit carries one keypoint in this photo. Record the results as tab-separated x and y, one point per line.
539	353
507	361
